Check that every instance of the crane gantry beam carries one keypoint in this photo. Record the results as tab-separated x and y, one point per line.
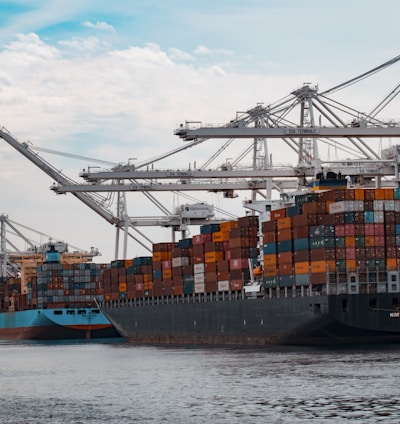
188	132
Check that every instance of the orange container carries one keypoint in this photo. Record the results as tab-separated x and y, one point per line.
318	267
351	264
270	259
213	256
391	263
226	226
269	270
369	241
350	241
389	194
219	236
284	223
122	287
379	194
302	267
359	194
161	256
167	273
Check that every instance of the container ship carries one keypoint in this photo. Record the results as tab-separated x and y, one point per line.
53	299
323	270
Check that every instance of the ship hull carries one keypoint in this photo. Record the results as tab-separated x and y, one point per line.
309	320
53	324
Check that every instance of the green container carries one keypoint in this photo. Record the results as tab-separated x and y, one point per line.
270	282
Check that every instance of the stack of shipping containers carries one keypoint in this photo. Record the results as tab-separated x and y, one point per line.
215	260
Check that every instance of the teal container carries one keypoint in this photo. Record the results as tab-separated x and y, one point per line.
369	217
360	241
340	241
341	265
269	248
319	242
285	281
284	246
349	218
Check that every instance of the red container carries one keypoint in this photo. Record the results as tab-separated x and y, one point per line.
268	226
300	232
236	285
285	257
318	278
350	253
269	237
239	263
340	231
301	255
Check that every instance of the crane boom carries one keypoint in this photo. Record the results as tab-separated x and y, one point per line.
57	176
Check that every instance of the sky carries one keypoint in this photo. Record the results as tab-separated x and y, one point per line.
112	80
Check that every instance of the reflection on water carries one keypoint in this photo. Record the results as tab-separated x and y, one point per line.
114	382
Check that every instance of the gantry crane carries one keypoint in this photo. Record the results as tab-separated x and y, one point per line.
304	121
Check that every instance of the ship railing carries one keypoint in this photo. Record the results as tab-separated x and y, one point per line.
359	281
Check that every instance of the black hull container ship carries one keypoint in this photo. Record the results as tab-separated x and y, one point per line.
324	270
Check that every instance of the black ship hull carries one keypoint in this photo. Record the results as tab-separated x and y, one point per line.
307	320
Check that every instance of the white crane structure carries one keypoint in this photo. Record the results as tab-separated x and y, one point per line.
21	251
306	122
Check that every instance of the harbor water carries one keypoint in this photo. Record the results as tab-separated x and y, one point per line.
108	381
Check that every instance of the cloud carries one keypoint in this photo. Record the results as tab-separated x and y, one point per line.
203	50
79	44
102	26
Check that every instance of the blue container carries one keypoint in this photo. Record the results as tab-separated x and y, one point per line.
397	228
302	279
301	244
397	193
157	273
269	248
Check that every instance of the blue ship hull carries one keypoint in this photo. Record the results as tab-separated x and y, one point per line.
49	324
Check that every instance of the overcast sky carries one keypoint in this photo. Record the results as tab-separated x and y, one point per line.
112	80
